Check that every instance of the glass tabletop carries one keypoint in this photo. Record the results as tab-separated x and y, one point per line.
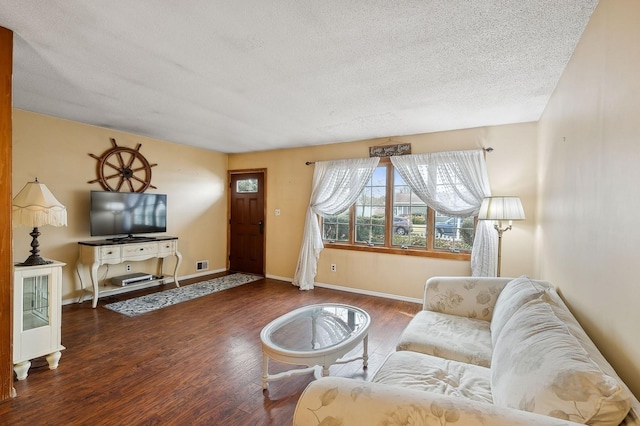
317	327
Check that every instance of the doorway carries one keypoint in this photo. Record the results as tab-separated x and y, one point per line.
246	221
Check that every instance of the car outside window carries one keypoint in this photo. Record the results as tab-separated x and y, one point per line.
453	233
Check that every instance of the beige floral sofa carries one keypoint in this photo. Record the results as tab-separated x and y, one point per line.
483	351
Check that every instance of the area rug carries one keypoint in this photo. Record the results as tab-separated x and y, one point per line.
152	302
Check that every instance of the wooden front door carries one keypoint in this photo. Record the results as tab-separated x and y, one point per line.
246	224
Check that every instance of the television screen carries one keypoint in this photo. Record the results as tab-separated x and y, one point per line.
127	213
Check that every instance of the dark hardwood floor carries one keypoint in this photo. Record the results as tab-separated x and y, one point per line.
194	363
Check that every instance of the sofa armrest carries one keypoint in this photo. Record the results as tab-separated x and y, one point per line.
472	297
337	400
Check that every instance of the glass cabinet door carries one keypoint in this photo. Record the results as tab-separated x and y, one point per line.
35	302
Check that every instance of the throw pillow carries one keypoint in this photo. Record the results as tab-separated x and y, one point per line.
539	366
515	294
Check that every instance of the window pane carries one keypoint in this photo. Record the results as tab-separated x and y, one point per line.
453	233
370	209
409	216
450	189
336	228
247	185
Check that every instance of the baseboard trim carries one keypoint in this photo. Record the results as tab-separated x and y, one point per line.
290	280
354	290
168	280
370	293
201	274
275	277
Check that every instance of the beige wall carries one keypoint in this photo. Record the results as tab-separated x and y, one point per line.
194	180
56	152
512	167
589	174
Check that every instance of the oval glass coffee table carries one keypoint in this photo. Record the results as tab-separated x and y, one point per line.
317	336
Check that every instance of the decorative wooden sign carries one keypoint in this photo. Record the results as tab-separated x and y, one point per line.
390	150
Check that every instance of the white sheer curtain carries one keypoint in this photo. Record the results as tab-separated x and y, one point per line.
454	183
336	186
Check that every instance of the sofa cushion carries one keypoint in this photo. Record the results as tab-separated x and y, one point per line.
472	297
539	366
428	373
448	336
564	314
342	401
515	294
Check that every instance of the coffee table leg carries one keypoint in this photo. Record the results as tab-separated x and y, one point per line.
325	371
365	353
317	372
265	370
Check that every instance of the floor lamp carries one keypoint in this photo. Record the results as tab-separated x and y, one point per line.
36	206
501	209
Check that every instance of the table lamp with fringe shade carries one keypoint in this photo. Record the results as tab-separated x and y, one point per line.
35	206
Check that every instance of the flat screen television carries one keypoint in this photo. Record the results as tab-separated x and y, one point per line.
127	214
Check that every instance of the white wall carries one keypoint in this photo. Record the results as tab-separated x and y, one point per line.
589	171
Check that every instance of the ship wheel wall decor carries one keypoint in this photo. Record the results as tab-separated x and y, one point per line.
122	168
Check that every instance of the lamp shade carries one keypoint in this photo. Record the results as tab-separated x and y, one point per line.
36	206
501	208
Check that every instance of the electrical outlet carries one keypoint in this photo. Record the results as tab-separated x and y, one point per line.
201	265
128	268
333	267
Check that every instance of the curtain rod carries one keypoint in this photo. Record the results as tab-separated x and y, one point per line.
487	149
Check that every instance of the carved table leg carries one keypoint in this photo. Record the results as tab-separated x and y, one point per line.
81	277
175	270
265	370
365	351
94	281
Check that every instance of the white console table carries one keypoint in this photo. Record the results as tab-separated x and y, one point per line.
94	254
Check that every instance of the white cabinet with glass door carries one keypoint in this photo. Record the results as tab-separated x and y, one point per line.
37	320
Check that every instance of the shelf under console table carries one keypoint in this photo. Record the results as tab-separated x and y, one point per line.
94	254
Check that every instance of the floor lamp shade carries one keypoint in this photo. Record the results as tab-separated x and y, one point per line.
36	206
501	209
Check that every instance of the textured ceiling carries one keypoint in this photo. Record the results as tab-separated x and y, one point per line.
250	75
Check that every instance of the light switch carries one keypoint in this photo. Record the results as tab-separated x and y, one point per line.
277	212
